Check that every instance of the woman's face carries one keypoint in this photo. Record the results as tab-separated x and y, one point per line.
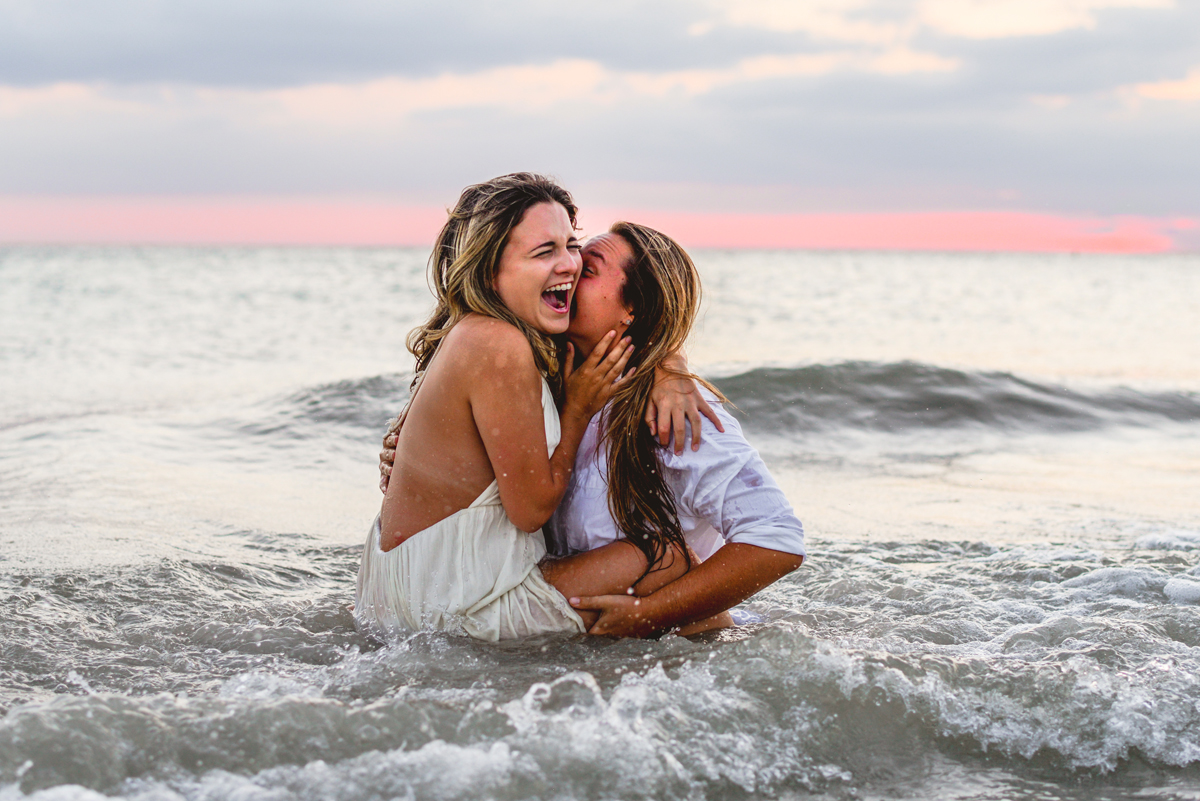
599	299
538	268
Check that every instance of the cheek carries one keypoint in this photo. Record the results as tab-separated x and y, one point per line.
512	284
600	310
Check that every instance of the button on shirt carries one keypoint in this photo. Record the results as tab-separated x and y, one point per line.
723	493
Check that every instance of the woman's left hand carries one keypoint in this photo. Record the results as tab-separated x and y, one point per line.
675	399
589	386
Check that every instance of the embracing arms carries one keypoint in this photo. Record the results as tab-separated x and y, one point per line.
724	485
728	577
674	403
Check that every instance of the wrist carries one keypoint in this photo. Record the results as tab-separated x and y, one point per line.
674	363
653	615
576	412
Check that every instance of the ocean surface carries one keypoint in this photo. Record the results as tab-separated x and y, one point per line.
996	457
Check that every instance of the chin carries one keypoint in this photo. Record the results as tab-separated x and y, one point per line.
550	327
554	325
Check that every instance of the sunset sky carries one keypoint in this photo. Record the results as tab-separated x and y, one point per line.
957	124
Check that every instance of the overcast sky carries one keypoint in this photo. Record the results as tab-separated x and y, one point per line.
1077	107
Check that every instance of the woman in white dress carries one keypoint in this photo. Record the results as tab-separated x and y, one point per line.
485	454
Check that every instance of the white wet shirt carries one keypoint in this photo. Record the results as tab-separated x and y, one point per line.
723	493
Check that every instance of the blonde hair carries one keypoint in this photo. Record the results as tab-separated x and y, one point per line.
463	265
662	287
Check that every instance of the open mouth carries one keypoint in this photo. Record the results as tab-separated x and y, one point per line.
557	297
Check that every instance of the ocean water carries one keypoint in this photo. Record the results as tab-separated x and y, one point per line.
997	459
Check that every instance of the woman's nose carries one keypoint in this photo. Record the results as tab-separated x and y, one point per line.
570	262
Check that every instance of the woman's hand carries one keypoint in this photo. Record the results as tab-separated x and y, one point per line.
592	384
620	616
675	399
387	456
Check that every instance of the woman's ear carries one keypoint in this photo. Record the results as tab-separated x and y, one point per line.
628	319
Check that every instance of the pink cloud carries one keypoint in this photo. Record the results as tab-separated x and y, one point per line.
265	221
959	230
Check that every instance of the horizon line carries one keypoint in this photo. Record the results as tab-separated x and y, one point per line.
282	222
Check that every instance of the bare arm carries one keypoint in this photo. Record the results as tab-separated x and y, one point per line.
728	577
505	392
592	370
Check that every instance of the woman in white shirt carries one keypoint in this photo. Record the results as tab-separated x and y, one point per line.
723	501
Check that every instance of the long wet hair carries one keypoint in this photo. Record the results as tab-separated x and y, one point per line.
466	257
662	287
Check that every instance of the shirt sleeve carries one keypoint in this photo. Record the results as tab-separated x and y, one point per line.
726	483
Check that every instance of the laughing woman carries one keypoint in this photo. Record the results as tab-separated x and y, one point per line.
484	454
627	489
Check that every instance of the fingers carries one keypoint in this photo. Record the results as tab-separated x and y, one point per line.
592	602
618	614
600	603
616	369
389	442
693	417
618	354
602	373
652	417
710	413
610	371
677	422
383	483
601	350
609	357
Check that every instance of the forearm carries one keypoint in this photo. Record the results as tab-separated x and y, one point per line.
731	575
530	492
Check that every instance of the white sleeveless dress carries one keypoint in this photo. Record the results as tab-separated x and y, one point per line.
473	573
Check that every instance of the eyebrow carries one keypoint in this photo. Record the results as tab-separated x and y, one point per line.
551	243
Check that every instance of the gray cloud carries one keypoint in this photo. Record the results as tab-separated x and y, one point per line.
1129	45
289	42
845	141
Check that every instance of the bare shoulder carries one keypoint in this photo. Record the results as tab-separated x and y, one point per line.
481	345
